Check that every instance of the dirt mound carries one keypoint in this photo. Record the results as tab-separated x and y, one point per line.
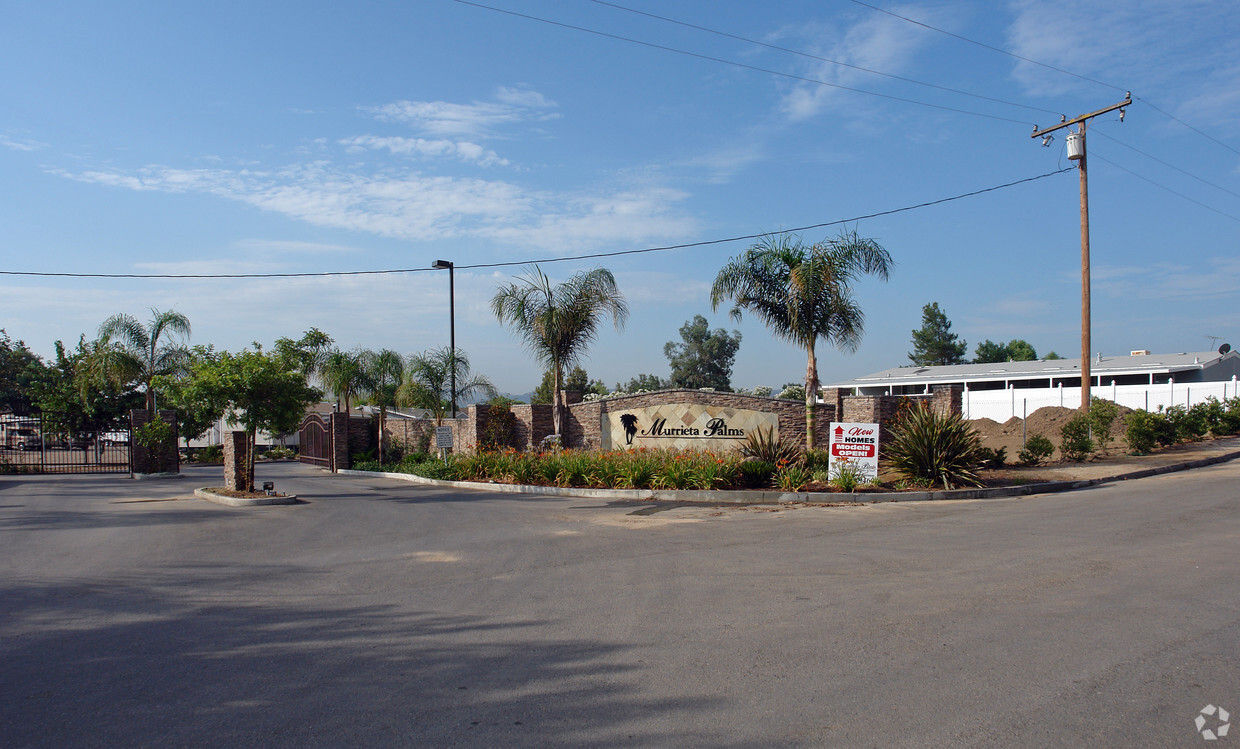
1047	421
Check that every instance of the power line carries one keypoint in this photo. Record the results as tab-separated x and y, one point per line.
1147	103
1164	187
823	59
742	65
987	46
592	256
1031	61
1166	163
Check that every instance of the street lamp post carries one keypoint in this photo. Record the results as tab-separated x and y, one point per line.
441	265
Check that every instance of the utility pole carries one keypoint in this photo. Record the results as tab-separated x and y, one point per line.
1076	152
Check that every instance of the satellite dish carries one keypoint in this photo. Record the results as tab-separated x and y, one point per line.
1224	348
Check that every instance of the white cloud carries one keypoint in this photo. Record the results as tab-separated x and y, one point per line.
479	119
409	205
1181	54
21	145
878	42
284	246
462	150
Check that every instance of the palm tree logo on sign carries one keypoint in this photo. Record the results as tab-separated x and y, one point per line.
630	427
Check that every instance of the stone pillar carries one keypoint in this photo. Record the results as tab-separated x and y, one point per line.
163	458
234	461
340	442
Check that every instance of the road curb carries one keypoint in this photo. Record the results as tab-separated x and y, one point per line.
776	497
220	499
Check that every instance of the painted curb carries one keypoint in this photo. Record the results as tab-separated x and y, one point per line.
776	497
157	476
220	499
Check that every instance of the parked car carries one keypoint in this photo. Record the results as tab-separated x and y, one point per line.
22	439
115	438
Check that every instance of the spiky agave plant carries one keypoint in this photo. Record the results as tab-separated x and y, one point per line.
940	449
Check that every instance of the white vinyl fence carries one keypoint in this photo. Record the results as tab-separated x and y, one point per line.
1001	405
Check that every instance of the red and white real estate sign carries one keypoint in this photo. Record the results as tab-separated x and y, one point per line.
857	444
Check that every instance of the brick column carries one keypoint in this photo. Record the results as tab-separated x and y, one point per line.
234	461
340	442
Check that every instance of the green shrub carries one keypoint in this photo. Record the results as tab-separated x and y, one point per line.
1076	444
755	474
993	458
792	477
1189	423
677	473
209	454
279	453
847	475
1102	415
637	472
1142	428
937	449
1037	450
816	459
761	444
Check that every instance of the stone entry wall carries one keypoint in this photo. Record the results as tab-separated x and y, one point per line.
585	422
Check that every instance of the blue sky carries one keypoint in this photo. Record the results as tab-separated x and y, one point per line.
229	137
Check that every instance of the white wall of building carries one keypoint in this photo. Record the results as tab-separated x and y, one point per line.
1001	405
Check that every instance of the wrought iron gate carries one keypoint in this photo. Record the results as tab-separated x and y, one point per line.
316	441
53	443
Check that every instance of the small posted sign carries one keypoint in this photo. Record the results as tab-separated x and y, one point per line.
443	438
856	444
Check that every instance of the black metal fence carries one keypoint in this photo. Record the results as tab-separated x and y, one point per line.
51	443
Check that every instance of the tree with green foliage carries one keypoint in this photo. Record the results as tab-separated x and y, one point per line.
20	370
197	409
559	321
703	358
1052	356
934	343
803	294
989	352
81	399
644	382
577	381
260	391
427	382
344	374
309	354
129	351
384	374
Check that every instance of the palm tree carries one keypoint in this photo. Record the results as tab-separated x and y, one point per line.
803	294
384	371
559	321
428	381
129	350
343	374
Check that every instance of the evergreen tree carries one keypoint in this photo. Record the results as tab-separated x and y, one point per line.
704	358
935	343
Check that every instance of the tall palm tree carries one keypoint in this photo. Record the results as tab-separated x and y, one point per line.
129	350
384	370
343	374
428	381
803	294
559	321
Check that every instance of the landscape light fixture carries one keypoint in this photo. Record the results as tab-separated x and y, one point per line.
445	265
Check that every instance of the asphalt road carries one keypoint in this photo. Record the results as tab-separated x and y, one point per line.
380	613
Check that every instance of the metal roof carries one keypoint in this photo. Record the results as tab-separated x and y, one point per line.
1040	369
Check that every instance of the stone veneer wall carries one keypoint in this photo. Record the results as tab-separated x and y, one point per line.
165	460
235	447
944	400
791	413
